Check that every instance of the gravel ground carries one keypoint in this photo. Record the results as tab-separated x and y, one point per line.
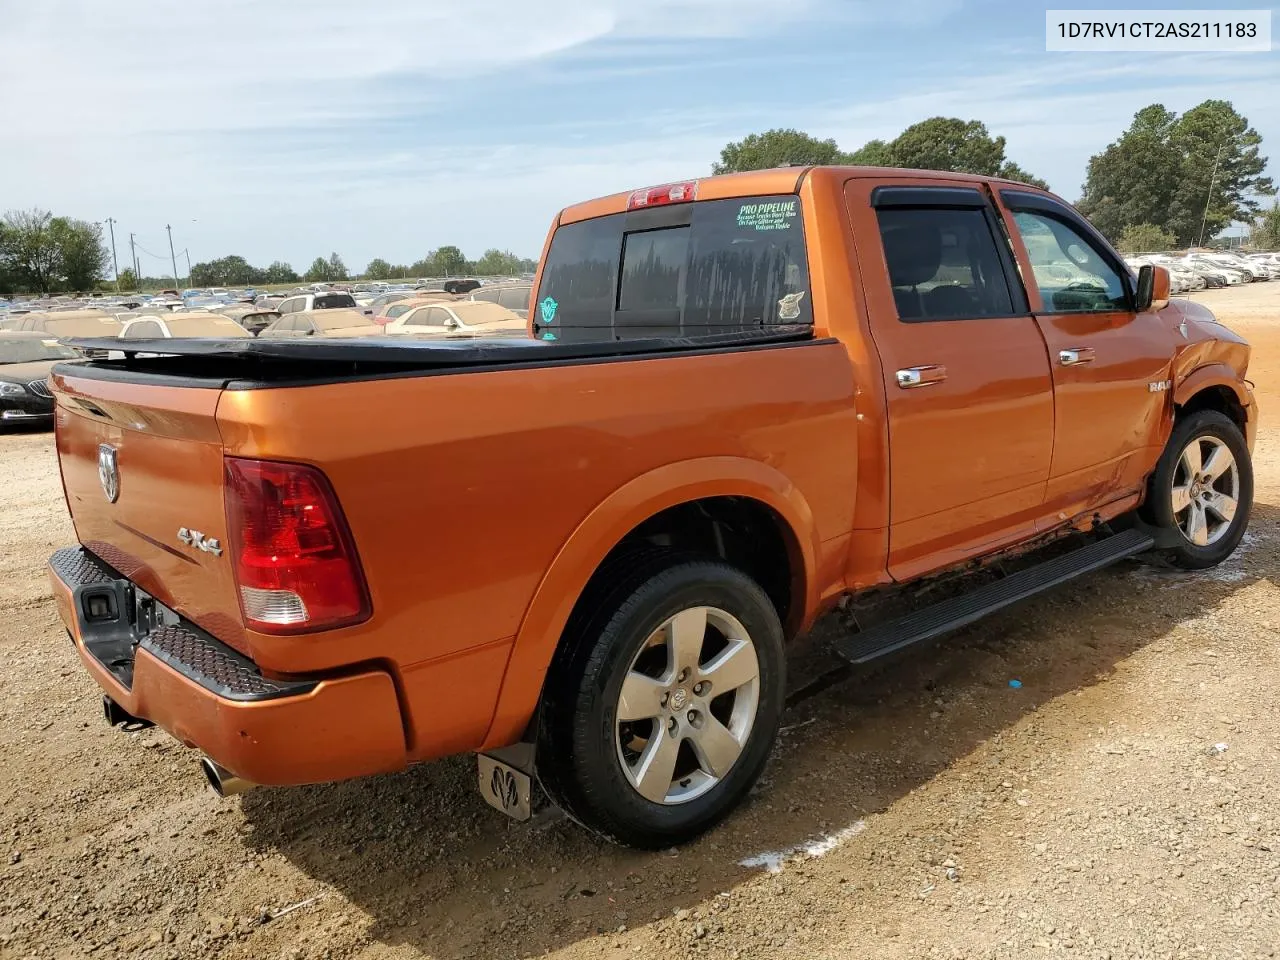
1120	803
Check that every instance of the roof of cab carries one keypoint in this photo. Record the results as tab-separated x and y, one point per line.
774	181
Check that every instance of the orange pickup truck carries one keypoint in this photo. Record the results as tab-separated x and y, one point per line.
582	554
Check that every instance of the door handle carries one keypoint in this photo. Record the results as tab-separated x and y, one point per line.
925	376
1069	358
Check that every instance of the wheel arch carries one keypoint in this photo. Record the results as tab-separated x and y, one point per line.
675	486
1215	386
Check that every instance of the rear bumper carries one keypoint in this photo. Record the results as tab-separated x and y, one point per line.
161	668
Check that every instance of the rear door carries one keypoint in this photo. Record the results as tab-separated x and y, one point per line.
970	396
1111	364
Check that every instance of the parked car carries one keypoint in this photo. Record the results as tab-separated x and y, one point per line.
252	317
25	362
321	323
317	301
213	325
459	318
374	306
732	418
76	323
399	308
513	296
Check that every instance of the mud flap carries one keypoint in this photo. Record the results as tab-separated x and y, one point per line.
504	785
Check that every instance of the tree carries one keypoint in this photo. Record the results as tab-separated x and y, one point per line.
776	148
82	256
318	271
378	269
1146	238
128	279
30	252
873	153
1161	171
1221	166
450	262
280	272
1266	229
495	263
946	143
337	269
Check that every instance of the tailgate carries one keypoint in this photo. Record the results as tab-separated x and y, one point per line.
141	464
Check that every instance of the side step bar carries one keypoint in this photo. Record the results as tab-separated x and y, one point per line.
948	615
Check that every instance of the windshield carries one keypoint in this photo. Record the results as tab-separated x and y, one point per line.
28	351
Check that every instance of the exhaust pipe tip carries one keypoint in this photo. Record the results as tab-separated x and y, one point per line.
221	780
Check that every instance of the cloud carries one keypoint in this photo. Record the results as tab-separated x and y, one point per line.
287	129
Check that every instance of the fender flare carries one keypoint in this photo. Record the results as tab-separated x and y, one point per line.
1210	375
602	530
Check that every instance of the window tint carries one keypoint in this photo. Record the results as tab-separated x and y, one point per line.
943	264
439	317
417	318
732	265
514	298
397	311
652	264
144	330
487	294
332	301
1071	273
304	326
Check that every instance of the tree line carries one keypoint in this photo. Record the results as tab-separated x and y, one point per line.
41	252
1169	181
235	271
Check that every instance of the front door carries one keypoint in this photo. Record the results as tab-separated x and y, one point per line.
1111	364
970	395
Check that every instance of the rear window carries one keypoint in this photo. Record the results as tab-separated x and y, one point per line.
719	266
331	301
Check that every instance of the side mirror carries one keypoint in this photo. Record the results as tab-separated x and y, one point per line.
1153	288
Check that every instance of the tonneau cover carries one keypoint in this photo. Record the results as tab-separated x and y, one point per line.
458	351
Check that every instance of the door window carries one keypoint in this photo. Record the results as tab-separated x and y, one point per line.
943	264
1071	273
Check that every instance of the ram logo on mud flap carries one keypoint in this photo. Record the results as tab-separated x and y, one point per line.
504	787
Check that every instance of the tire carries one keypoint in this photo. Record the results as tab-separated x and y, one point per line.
606	769
1172	484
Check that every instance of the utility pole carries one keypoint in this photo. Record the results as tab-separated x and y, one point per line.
172	256
115	264
1213	179
187	254
133	255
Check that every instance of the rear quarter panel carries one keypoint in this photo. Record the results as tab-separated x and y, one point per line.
462	490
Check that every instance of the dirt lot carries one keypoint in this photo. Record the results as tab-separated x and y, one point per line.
1121	803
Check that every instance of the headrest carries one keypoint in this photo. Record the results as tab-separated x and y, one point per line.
913	253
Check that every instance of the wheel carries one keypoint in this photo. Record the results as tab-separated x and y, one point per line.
1203	488
664	706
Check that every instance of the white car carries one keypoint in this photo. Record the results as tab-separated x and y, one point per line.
459	318
335	300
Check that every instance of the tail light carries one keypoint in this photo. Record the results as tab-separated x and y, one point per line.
295	561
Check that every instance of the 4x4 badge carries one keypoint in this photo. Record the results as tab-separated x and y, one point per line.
194	538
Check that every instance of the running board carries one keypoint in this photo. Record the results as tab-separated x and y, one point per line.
948	615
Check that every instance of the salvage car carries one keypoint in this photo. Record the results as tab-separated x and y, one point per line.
25	362
741	402
460	318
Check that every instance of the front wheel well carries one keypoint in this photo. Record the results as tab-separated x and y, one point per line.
1219	398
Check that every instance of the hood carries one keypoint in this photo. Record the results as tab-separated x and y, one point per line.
26	372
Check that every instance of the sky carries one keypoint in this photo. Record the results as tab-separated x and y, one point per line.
287	129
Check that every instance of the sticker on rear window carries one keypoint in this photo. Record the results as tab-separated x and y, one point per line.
548	336
768	216
548	308
789	306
